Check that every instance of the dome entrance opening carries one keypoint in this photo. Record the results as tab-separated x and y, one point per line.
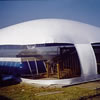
58	61
96	47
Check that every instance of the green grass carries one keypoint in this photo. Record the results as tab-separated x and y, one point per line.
28	92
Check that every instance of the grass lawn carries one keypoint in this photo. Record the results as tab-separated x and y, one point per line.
24	91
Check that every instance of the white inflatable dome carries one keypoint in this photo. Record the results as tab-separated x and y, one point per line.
58	31
49	31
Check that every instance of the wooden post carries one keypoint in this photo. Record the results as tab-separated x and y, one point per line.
58	71
47	70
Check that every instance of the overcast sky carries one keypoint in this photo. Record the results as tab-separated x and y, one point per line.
16	11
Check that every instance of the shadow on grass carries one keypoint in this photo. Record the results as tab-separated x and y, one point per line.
7	81
4	98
